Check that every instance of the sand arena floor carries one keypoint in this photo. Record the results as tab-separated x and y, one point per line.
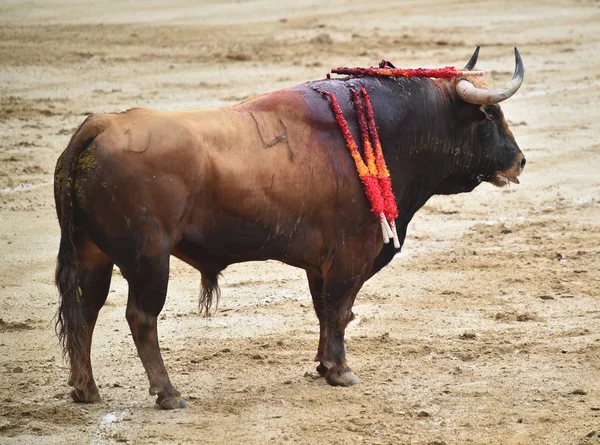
485	330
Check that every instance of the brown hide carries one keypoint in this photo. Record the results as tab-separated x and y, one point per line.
249	182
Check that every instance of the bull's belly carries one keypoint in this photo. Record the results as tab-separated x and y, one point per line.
235	240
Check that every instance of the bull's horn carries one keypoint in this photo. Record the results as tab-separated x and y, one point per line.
469	93
473	60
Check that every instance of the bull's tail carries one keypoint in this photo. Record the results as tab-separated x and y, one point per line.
70	321
209	290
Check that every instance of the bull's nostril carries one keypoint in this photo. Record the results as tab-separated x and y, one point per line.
523	162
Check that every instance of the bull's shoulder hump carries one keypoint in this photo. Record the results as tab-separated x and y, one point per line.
293	98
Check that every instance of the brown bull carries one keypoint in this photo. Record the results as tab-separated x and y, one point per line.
270	178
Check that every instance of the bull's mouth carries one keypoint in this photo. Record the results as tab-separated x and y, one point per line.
505	177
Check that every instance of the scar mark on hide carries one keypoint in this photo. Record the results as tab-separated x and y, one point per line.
277	139
128	134
131	150
290	151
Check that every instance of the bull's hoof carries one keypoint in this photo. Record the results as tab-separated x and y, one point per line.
173	402
341	378
79	397
322	369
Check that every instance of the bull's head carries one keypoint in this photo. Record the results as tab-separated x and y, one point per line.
499	159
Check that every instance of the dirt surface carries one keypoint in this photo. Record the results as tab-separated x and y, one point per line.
485	330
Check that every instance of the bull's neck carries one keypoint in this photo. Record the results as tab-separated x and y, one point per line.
419	136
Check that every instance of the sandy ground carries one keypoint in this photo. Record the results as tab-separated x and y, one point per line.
485	330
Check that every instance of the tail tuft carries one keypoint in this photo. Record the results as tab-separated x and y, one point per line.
209	290
70	321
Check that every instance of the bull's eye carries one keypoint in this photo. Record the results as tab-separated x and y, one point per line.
492	112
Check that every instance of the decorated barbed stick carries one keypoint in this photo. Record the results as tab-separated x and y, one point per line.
370	183
378	200
448	72
383	174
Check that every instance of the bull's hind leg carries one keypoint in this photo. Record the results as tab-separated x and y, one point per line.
94	278
148	279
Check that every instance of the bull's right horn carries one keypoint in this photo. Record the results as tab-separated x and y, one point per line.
470	93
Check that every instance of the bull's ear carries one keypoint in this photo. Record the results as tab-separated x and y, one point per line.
472	113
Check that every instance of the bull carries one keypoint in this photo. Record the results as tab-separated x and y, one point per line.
269	178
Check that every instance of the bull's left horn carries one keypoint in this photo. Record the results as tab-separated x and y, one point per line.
470	93
473	60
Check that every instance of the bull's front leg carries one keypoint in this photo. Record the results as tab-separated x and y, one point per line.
333	360
333	297
315	284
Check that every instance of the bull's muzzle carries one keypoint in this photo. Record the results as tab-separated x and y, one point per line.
511	174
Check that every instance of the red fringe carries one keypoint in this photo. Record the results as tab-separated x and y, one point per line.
391	208
374	174
379	159
448	72
374	190
385	182
350	142
370	183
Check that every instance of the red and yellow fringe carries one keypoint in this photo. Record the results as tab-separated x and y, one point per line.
373	173
385	181
377	199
